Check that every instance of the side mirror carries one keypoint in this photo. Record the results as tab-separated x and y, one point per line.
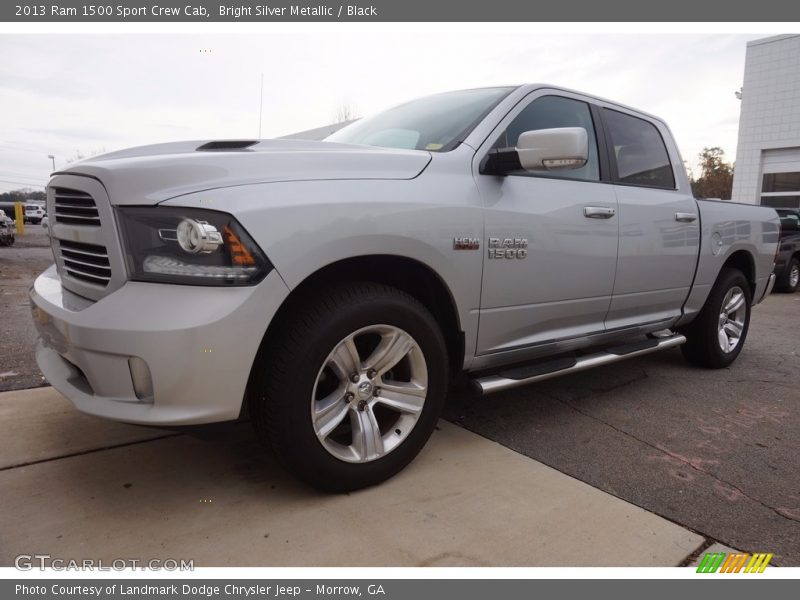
541	150
553	149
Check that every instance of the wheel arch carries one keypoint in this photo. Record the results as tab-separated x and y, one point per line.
410	275
744	262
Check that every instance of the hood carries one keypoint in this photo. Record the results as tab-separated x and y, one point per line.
152	174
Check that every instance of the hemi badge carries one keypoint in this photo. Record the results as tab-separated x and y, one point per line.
466	243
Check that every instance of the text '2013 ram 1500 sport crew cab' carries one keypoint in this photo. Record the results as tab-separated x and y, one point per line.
334	288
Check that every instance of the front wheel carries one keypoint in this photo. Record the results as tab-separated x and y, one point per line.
350	388
716	336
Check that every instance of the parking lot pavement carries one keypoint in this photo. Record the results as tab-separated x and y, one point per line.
717	451
38	425
19	264
222	501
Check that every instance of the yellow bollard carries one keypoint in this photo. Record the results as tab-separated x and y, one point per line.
19	215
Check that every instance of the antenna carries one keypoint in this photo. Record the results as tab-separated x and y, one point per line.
260	106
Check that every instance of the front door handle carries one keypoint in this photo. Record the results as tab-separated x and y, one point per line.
598	212
683	217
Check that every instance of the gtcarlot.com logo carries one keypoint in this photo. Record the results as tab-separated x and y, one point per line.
27	562
733	562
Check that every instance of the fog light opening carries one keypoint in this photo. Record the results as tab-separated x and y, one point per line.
141	378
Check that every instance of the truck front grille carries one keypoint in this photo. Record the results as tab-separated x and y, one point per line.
84	239
87	262
75	208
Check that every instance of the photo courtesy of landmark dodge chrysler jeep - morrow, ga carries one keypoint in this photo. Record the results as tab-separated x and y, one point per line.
330	290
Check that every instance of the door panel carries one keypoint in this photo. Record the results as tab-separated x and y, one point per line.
657	256
560	284
659	228
563	287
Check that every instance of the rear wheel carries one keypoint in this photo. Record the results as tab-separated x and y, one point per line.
716	336
790	280
350	389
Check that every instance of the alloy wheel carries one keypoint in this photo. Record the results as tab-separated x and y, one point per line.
731	319
369	393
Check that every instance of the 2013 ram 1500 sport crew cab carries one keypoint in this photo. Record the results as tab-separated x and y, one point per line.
333	288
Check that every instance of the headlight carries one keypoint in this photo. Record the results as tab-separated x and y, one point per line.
189	245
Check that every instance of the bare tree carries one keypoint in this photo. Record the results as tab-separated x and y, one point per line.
344	113
80	155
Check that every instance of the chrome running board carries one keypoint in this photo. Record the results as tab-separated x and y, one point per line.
518	377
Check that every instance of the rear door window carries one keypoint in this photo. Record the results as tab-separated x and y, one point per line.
639	149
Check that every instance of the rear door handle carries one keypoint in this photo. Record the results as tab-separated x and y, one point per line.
598	212
683	217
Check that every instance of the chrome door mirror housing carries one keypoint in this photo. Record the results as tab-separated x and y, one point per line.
553	149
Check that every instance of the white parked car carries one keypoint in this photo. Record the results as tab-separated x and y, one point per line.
34	213
333	288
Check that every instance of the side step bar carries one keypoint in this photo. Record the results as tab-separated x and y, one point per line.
539	372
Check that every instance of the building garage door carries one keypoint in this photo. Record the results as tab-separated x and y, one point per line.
780	181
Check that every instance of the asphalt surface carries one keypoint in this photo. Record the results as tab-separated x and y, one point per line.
19	265
715	451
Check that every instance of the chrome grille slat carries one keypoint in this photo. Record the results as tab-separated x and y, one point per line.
97	260
74	207
71	261
74	271
96	279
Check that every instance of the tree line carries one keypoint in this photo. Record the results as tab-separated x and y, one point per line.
23	195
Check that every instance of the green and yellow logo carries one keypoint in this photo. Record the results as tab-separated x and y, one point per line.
740	562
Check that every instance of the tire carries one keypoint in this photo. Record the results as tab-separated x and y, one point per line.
704	341
789	281
301	370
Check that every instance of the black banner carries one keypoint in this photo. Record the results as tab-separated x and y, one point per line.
394	10
389	589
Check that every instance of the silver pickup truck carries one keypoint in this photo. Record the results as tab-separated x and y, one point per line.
332	289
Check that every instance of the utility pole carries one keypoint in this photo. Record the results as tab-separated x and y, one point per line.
53	158
260	106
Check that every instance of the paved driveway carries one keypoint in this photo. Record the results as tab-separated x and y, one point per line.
78	487
717	451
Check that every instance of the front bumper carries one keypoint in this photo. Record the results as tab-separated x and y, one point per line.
198	342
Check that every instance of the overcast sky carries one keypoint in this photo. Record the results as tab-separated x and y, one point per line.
65	94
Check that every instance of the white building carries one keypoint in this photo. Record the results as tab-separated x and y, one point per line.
768	155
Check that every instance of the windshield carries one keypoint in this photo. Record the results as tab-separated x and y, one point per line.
436	123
